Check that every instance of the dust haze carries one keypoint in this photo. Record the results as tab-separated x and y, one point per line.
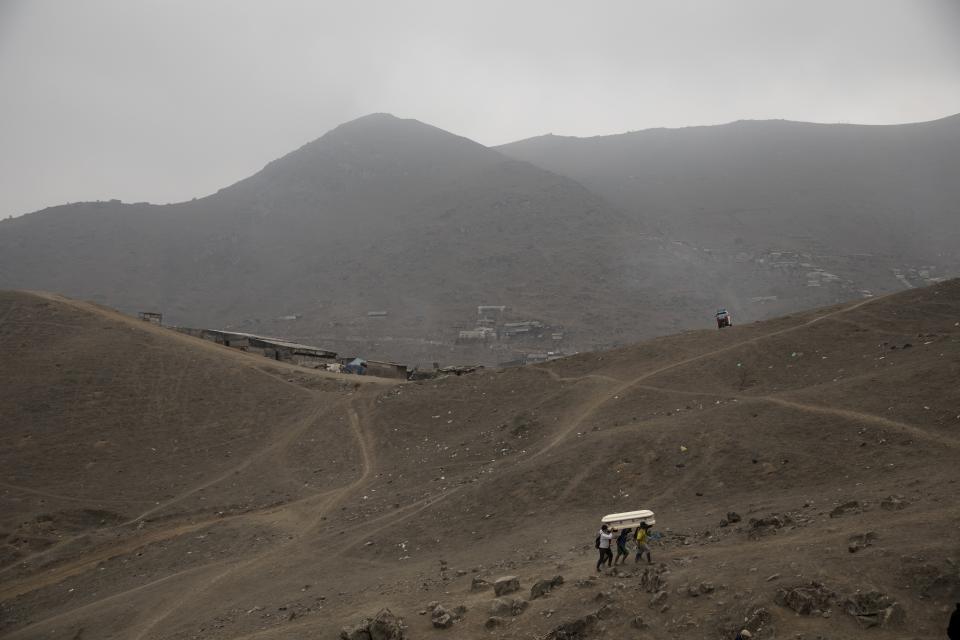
163	102
362	321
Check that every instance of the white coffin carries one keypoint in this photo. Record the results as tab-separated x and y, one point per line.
629	519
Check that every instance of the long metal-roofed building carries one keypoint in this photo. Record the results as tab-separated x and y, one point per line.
273	348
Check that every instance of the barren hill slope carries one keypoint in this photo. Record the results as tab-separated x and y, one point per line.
379	214
858	201
390	215
201	495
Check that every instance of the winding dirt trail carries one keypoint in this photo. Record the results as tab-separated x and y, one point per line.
602	397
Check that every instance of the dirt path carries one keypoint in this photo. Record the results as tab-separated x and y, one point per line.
858	416
313	519
312	506
602	397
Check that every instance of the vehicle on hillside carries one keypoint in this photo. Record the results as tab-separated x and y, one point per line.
723	319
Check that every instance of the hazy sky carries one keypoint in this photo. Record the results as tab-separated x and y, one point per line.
163	100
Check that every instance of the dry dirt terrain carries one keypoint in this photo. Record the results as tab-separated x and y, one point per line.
803	471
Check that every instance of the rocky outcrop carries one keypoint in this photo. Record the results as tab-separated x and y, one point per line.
767	525
806	599
541	588
861	541
505	585
383	626
873	609
505	606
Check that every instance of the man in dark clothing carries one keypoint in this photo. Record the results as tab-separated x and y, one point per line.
622	552
953	630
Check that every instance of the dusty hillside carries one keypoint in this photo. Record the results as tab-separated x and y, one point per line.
394	216
380	214
160	487
865	203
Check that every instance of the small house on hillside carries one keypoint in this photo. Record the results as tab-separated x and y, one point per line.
151	317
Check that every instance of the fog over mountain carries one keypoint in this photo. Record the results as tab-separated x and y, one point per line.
846	189
599	241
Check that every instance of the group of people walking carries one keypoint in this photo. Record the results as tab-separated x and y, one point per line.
605	539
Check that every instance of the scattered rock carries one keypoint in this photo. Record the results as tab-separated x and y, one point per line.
861	541
443	621
805	599
637	622
733	517
443	618
574	630
383	626
606	611
658	598
478	584
873	609
508	606
357	632
763	526
543	587
505	585
893	503
706	587
652	579
493	622
586	582
851	506
386	626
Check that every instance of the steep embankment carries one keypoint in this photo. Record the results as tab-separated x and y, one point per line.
346	499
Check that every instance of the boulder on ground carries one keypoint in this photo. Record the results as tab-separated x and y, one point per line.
573	630
543	587
383	626
851	506
505	585
861	541
386	626
652	579
478	584
805	599
658	598
360	631
763	526
873	609
508	606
